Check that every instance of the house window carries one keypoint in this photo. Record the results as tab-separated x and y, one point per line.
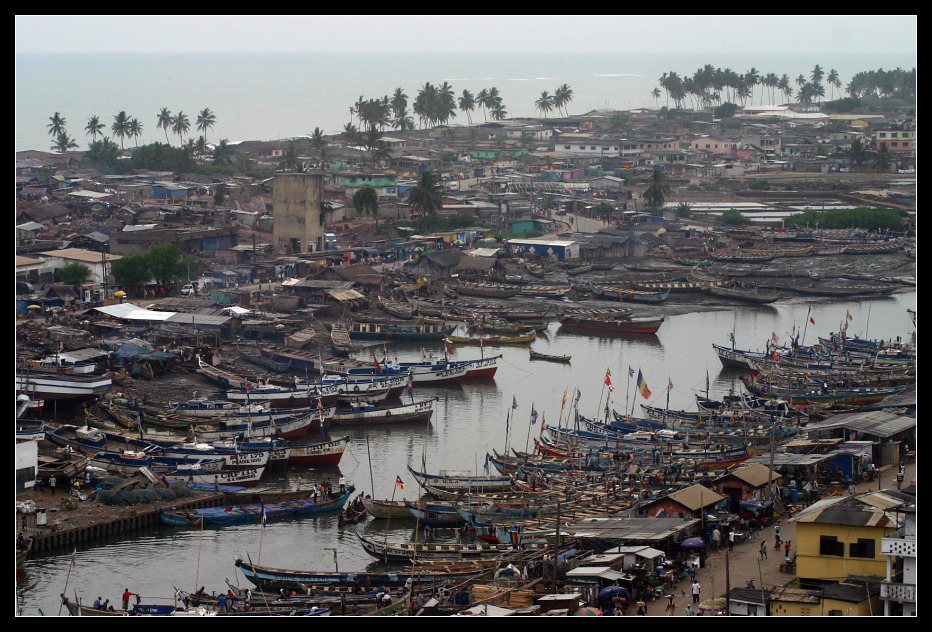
893	135
835	613
829	545
864	547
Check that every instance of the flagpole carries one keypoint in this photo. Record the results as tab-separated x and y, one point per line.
527	440
806	326
600	400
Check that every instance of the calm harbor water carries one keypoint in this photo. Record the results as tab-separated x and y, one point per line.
470	421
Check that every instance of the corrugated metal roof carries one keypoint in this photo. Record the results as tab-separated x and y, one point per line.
695	497
879	423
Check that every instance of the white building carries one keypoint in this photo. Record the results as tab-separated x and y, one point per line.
902	565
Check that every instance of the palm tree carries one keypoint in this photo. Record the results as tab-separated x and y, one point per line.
134	129
181	125
200	146
784	86
857	153
427	196
351	133
57	125
544	104
833	81
399	102
94	127
103	153
205	120
817	74
882	157
482	100
655	93
223	153
447	102
120	126
656	190
467	104
317	139
63	143
366	202
499	113
291	161
165	122
562	97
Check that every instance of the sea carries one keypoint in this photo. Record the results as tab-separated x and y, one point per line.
471	420
279	96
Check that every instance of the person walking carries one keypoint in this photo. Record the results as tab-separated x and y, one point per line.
671	607
763	550
716	538
731	539
53	481
696	589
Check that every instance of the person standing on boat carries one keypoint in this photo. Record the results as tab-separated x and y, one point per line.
126	595
342	484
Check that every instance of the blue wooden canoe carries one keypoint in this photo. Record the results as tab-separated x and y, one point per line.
219	516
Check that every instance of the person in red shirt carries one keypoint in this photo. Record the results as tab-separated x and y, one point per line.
126	595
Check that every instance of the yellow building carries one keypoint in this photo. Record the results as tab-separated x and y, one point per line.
840	536
844	599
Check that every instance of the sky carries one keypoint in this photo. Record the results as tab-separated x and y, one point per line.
469	33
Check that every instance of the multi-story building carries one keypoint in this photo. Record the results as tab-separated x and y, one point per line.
898	590
297	200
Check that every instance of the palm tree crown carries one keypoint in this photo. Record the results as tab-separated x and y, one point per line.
165	122
427	196
120	126
205	121
94	127
57	125
181	125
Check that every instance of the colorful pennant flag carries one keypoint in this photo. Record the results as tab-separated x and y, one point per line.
514	402
399	484
642	386
533	414
608	380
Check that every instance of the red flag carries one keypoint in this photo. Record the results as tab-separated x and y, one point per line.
812	320
608	380
378	367
399	483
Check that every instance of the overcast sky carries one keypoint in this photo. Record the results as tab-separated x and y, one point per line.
471	33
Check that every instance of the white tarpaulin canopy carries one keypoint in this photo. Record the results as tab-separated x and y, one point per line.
129	311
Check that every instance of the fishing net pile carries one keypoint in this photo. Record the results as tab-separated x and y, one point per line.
141	494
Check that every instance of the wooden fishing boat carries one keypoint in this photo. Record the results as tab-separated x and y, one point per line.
269	578
750	294
536	270
825	289
377	415
340	340
874	248
221	377
549	358
352	515
236	514
619	293
406	551
739	257
625	325
579	270
810	394
674	286
462	482
498	311
246	477
404	311
434	514
387	509
379	331
253	355
486	290
64	465
545	291
300	339
493	341
60	385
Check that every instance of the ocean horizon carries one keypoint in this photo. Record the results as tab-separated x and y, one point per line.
273	96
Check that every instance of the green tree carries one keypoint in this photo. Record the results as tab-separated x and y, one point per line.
366	202
857	152
882	158
120	127
165	121
544	104
73	274
57	125
103	154
63	143
725	110
317	139
165	263
134	129
683	209
181	125
205	121
562	97
733	217
94	127
467	104
223	153
291	160
426	197
131	272
656	190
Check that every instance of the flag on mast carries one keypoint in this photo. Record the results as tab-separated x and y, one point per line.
514	402
399	483
642	386
608	380
533	414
